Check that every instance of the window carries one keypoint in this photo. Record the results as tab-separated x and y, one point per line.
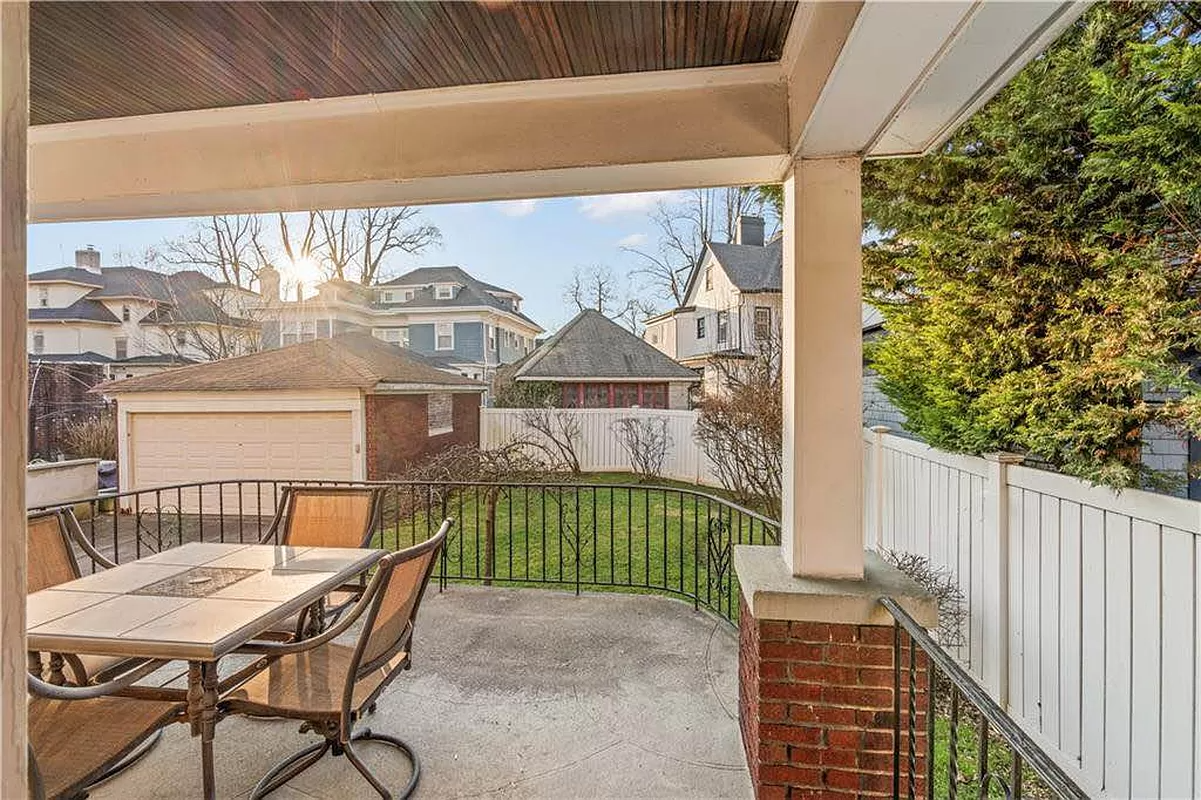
287	339
723	327
408	295
625	395
596	395
762	323
444	336
121	345
396	336
440	413
324	329
444	292
308	331
43	296
709	278
700	327
181	338
655	336
386	297
491	338
39	342
125	313
654	395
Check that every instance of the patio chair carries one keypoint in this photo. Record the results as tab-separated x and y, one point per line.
53	537
324	516
330	686
81	735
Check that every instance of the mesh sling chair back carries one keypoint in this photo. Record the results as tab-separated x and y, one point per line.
324	516
53	537
329	685
81	735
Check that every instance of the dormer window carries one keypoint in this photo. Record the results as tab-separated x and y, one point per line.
444	292
125	313
708	279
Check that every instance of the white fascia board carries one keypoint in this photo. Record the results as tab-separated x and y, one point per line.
622	379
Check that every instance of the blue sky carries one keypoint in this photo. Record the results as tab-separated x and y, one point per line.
530	246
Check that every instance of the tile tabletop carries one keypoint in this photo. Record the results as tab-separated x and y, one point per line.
122	611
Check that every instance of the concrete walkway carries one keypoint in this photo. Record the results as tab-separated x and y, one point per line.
517	693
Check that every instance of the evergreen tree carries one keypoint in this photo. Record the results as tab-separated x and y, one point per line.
1040	273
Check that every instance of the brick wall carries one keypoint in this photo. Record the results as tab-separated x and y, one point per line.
59	396
816	709
397	430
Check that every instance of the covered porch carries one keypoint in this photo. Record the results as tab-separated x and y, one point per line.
131	112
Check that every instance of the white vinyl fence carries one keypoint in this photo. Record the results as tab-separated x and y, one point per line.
1084	619
599	449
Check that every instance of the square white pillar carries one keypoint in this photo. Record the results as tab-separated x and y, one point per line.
14	123
822	532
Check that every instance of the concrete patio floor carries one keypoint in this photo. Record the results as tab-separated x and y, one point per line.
516	693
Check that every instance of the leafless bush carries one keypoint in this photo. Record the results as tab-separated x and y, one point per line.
95	437
740	427
560	433
646	440
941	584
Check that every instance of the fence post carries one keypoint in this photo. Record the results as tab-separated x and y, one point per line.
996	552
877	482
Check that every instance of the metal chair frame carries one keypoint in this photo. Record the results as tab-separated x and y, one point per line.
315	618
340	736
132	752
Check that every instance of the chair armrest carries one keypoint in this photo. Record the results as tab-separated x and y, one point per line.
137	671
76	533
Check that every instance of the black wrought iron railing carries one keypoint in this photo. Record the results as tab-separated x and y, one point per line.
958	741
582	536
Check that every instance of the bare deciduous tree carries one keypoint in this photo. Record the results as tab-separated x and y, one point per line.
225	248
740	427
646	441
559	435
599	289
355	241
684	228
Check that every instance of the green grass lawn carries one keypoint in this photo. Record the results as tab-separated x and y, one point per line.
598	535
1000	760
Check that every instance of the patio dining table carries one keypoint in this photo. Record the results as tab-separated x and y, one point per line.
196	603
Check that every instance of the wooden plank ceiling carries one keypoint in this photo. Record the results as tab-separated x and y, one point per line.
95	60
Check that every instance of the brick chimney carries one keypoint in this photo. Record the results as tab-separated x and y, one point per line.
750	231
88	258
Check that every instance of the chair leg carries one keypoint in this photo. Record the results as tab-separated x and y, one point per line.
289	768
366	735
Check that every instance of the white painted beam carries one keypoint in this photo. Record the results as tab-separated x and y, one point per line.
14	120
540	138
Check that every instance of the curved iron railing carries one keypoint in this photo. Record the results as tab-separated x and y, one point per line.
668	540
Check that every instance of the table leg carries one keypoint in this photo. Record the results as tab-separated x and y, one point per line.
202	713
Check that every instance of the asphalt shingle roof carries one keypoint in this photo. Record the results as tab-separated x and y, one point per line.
349	361
750	267
593	346
84	308
473	292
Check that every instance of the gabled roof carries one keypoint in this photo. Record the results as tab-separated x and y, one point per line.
749	267
473	292
86	357
82	309
594	346
349	361
180	294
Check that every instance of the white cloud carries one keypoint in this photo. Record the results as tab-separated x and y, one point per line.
608	205
633	240
518	208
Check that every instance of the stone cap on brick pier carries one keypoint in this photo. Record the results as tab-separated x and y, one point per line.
772	592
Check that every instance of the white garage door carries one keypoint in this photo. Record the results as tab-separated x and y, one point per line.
171	448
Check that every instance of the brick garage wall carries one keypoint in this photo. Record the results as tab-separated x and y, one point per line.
398	425
816	709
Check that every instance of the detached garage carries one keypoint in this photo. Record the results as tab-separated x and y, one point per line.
348	408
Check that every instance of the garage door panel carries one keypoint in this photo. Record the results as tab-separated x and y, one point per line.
169	448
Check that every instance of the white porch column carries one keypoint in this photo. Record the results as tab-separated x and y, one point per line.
14	119
822	516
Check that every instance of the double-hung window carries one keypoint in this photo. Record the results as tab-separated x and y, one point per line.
723	327
444	336
700	327
121	348
762	323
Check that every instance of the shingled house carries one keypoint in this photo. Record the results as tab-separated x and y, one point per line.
599	364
